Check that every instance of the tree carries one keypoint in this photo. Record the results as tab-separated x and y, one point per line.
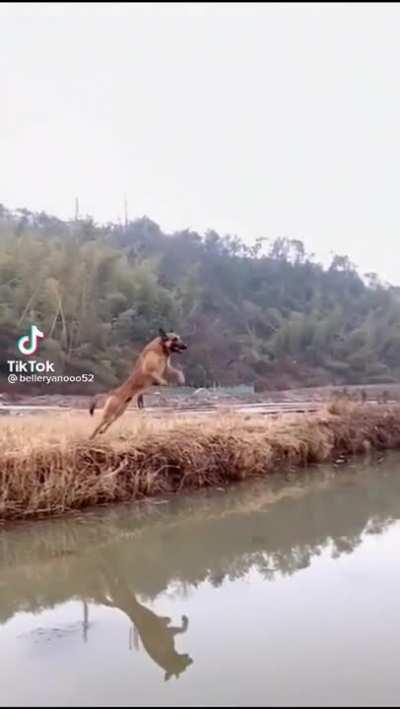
268	312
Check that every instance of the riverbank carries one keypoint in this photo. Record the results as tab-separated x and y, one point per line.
188	399
48	467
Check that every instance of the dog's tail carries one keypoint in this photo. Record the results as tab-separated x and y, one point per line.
93	405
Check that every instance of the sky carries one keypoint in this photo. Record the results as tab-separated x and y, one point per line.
252	119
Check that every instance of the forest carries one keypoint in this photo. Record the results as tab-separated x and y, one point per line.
267	314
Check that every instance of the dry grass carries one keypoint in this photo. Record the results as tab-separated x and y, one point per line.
47	465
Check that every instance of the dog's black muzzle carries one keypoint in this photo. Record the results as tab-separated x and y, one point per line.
179	348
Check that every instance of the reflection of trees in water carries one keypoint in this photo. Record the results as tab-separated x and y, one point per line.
284	563
275	529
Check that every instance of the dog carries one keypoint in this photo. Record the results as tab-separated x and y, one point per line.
155	632
151	369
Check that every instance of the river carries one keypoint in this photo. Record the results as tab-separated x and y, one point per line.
280	592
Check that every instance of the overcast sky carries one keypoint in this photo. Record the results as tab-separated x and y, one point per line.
257	119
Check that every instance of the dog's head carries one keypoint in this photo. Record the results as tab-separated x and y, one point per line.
171	341
180	663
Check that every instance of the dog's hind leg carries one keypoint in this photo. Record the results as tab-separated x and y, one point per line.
102	427
106	419
106	424
113	417
96	430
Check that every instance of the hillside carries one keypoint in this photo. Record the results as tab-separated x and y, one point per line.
267	314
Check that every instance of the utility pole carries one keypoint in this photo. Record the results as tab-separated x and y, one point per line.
126	211
76	209
85	623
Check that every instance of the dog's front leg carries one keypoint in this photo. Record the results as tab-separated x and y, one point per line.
175	630
175	374
159	381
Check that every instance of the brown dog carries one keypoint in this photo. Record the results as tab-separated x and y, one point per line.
155	632
151	369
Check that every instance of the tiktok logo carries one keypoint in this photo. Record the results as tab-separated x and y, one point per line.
28	344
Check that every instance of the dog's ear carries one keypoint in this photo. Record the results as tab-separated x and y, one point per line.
163	334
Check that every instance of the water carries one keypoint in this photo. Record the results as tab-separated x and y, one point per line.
279	593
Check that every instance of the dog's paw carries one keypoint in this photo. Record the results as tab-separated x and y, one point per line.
181	377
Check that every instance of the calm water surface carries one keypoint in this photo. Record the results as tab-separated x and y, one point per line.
273	593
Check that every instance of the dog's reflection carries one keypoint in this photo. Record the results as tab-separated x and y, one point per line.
155	632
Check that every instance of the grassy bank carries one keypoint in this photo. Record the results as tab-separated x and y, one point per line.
47	465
